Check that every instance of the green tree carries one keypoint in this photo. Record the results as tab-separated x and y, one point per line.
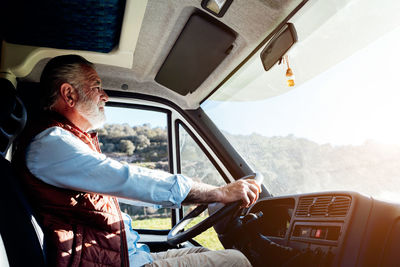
142	141
108	148
126	146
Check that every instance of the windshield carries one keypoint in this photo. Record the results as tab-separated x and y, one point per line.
338	127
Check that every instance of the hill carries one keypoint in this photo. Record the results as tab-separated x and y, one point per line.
289	164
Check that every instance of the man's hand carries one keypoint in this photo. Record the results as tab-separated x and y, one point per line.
245	190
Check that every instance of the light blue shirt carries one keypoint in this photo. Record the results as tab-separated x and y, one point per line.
59	158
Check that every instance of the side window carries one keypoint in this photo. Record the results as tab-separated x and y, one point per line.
138	137
195	164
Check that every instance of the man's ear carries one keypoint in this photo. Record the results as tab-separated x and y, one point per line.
69	94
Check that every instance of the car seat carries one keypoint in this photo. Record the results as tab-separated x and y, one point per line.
21	235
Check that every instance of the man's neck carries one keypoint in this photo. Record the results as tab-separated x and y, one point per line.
75	118
79	121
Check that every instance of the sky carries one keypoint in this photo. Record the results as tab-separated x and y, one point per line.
135	117
354	101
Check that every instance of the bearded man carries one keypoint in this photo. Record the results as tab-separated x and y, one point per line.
73	187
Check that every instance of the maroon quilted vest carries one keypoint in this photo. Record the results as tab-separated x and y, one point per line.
81	229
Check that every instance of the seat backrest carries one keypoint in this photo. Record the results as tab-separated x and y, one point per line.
12	115
20	233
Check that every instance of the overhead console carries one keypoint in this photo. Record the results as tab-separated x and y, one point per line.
335	228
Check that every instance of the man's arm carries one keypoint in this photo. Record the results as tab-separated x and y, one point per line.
245	190
58	158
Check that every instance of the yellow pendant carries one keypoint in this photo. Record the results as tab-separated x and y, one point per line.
289	73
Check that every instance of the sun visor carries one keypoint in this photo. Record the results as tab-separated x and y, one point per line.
89	25
202	45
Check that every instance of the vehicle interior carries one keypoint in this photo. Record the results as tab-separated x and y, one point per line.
182	62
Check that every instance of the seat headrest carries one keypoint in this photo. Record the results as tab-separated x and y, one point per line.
12	115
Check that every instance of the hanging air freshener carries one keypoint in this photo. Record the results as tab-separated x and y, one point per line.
289	73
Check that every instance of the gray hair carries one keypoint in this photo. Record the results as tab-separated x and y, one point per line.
59	70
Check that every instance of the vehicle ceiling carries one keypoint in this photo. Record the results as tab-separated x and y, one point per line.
149	31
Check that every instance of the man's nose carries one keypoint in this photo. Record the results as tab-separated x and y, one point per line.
104	96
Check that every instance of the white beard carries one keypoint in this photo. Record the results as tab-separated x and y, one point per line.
91	111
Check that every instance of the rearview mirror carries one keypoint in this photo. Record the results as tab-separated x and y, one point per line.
278	46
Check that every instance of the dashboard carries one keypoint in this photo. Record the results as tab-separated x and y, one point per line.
342	228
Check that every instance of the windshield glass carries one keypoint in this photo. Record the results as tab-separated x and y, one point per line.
338	127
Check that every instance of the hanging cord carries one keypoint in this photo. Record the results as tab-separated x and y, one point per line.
289	72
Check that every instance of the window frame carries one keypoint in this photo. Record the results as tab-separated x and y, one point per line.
141	106
155	109
178	123
175	115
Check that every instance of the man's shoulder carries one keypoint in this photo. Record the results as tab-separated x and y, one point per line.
55	140
44	124
54	131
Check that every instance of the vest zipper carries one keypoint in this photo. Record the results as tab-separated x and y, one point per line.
124	249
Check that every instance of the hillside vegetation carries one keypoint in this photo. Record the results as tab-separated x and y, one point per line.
289	164
294	165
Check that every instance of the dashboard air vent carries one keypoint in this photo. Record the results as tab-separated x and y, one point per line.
326	206
304	204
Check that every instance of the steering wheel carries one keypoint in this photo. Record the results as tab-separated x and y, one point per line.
178	235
